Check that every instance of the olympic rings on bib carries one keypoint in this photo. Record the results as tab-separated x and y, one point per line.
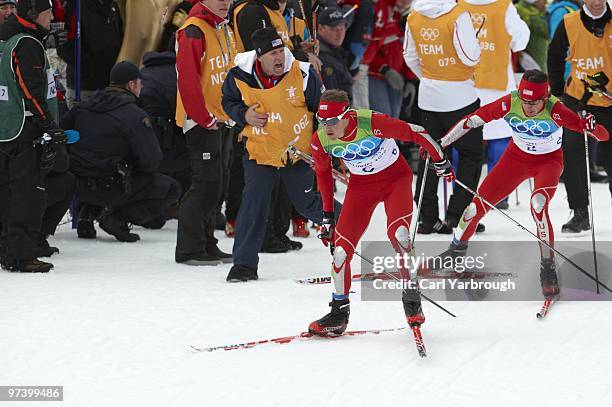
534	127
353	151
429	34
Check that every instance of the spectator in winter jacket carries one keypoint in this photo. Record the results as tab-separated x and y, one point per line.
533	12
331	32
387	70
117	158
7	7
158	99
555	13
101	38
28	110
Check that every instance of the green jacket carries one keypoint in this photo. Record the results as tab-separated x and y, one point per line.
538	25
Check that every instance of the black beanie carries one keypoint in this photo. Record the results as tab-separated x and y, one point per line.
123	72
265	40
25	6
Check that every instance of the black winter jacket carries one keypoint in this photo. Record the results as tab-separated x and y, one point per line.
101	39
113	130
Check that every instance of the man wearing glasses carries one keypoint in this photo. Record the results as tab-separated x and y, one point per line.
365	141
537	119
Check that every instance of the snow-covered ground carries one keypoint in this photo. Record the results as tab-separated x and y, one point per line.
113	323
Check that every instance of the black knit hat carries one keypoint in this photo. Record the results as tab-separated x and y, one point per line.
265	40
123	72
29	9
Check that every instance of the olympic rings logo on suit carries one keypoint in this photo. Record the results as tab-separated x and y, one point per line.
478	18
536	128
352	151
429	34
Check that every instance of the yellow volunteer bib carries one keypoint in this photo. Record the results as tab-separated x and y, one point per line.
434	44
218	60
278	22
490	19
587	56
288	118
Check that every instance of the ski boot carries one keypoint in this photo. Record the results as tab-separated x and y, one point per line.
411	300
334	323
548	279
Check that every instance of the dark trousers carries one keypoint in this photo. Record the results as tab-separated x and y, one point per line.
254	210
152	193
236	181
574	161
22	195
281	210
469	167
199	204
60	191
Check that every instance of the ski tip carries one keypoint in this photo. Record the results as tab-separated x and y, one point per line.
539	315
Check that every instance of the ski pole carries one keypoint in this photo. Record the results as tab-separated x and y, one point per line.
418	213
397	279
517	223
588	174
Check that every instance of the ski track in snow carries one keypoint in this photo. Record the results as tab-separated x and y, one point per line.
113	324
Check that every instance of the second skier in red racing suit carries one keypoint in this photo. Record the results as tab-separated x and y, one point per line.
364	140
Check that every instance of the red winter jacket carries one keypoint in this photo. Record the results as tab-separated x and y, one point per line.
191	50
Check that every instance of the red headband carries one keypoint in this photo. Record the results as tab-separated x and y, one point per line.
532	91
329	109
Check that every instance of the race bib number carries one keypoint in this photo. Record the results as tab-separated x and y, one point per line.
4	93
51	88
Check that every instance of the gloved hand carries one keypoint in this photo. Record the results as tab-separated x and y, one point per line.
463	126
328	225
393	78
57	136
588	122
49	142
444	169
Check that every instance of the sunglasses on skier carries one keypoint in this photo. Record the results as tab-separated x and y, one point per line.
530	102
332	121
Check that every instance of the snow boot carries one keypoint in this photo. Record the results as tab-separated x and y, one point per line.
294	244
85	225
43	248
334	323
548	278
216	252
199	259
116	227
240	273
275	245
578	223
29	266
438	227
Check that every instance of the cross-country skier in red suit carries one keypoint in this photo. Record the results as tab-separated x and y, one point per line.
537	120
364	140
